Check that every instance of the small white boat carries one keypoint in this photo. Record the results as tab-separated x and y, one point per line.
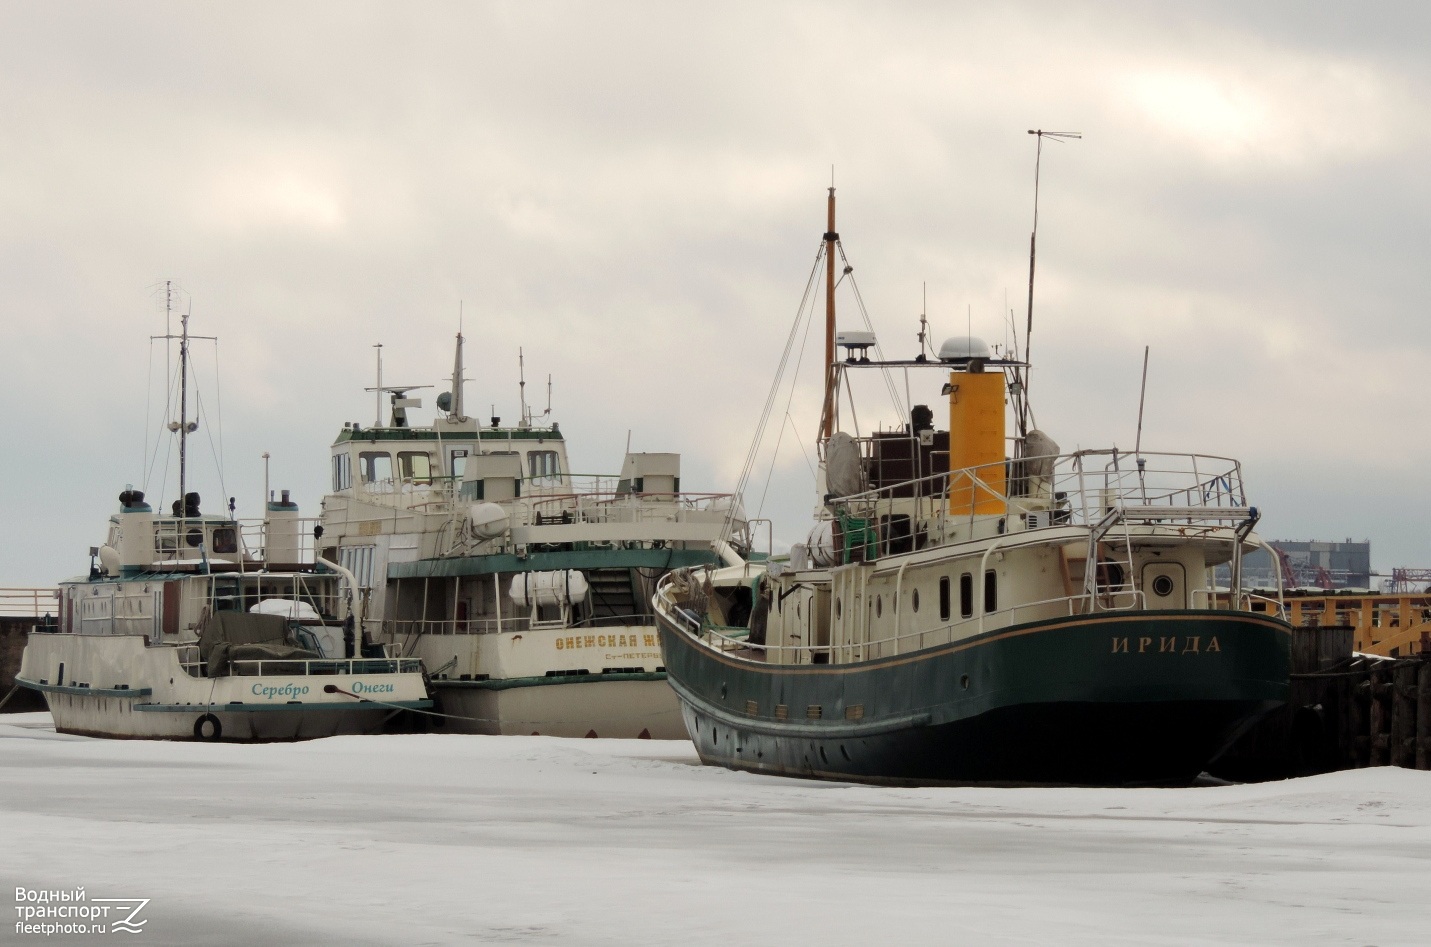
194	626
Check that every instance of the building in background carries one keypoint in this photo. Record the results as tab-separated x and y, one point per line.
1313	564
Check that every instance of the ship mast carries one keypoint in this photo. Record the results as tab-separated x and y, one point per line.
1033	243
828	416
183	427
183	405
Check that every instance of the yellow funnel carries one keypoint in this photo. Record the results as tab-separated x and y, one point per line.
976	443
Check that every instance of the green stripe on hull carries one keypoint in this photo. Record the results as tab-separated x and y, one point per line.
552	562
507	683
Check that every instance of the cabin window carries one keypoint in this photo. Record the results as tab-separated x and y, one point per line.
914	599
225	539
457	463
966	596
376	466
342	472
944	598
415	466
879	606
991	591
542	466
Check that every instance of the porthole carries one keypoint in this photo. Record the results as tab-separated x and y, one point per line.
1162	586
914	600
964	682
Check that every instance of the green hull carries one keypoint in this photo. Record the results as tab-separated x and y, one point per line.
1143	698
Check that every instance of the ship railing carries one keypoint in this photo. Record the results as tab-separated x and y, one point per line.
190	661
1081	486
573	491
325	666
690	612
404	630
296	548
28	603
1080	489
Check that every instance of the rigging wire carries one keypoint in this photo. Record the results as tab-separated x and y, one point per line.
893	389
759	434
794	378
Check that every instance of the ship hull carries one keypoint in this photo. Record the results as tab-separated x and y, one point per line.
121	687
621	706
1142	699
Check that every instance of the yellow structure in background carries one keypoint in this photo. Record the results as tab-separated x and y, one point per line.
1393	626
976	440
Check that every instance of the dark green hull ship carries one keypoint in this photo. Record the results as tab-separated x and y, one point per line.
1147	698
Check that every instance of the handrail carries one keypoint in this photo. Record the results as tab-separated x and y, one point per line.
28	603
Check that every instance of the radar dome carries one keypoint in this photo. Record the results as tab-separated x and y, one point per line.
961	348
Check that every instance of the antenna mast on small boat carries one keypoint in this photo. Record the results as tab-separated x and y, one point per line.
183	427
378	398
828	426
1033	241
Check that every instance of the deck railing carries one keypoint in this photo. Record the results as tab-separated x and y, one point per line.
28	603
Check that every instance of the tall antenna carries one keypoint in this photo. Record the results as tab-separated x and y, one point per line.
923	323
827	426
522	387
1142	394
183	427
378	398
458	381
1033	243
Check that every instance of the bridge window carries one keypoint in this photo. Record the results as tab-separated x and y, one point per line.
376	466
543	466
342	472
415	466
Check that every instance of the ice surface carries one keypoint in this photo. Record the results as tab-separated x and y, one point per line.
439	839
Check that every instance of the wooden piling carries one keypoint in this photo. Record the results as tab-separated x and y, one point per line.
1402	743
1378	736
1423	716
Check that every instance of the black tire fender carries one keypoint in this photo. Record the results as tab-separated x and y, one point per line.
208	727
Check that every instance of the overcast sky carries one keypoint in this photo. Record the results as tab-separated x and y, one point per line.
634	193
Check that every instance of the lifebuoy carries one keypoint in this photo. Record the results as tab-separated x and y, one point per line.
208	727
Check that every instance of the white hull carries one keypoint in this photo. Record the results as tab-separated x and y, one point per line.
568	682
621	709
117	686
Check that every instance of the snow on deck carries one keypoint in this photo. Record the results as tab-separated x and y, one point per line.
439	839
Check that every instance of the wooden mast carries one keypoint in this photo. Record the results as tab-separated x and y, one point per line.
828	416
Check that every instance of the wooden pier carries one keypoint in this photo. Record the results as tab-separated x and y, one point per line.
20	610
1347	710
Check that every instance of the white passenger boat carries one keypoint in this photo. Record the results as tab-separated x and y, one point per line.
195	626
525	589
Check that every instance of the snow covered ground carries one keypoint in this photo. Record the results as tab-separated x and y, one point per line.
441	839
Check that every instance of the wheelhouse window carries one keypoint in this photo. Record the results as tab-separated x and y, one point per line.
415	466
376	466
543	466
342	472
